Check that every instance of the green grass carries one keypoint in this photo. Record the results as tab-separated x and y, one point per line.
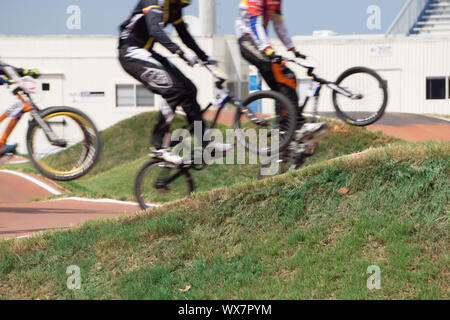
126	147
289	237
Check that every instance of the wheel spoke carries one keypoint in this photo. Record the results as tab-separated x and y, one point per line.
369	96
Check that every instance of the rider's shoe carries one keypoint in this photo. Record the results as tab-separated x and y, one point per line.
9	148
167	156
218	150
220	147
310	128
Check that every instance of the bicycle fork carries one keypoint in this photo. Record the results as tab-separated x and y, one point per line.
47	130
12	124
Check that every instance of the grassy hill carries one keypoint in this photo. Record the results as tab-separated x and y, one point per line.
126	148
308	234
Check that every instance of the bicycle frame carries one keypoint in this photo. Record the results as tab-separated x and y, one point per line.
320	82
223	96
27	106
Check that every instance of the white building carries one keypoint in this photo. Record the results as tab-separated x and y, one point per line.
84	72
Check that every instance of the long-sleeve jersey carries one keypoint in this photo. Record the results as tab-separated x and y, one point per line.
146	26
254	19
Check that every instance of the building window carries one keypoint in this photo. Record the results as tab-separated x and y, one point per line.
125	95
46	87
144	97
130	95
436	88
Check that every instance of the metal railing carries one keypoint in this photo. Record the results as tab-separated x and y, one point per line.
407	17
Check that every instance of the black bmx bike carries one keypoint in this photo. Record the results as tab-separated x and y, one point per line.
158	180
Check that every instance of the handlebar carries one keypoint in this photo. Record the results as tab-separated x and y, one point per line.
4	78
221	77
5	81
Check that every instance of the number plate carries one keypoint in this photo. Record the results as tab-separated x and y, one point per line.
221	98
15	110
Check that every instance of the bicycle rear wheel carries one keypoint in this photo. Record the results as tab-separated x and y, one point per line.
273	124
78	146
370	96
157	182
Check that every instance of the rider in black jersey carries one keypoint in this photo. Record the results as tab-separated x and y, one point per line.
138	35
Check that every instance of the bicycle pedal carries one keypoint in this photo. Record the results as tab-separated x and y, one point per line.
155	154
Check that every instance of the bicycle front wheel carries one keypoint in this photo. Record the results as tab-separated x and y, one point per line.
369	96
75	147
157	182
271	126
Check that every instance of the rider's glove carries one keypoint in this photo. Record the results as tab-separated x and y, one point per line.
274	58
3	80
191	60
298	54
32	73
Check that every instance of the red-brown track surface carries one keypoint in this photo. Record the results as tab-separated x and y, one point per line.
19	217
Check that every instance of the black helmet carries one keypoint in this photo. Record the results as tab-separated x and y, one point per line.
184	3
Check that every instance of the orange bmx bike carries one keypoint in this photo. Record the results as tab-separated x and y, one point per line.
62	142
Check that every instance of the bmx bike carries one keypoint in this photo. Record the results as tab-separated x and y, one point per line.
359	97
157	177
62	142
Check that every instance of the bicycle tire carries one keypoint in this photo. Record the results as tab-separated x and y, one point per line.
381	110
92	144
291	118
143	204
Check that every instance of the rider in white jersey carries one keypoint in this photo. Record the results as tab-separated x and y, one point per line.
252	31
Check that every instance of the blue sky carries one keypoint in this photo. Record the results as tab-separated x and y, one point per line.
104	16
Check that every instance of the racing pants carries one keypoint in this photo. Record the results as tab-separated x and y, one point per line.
161	77
277	76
